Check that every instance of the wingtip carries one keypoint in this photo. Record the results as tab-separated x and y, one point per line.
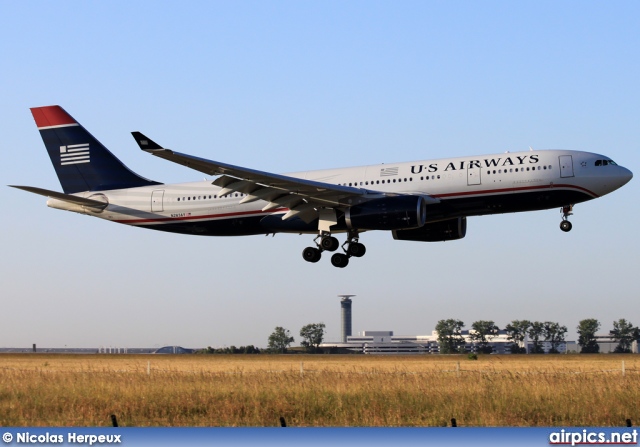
145	143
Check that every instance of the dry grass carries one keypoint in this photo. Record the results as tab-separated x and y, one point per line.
236	390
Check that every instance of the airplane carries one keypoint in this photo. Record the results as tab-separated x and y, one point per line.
424	201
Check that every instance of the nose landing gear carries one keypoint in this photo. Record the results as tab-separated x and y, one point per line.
567	211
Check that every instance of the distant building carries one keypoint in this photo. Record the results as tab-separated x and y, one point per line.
384	342
173	350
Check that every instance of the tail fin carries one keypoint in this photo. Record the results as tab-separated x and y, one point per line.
81	162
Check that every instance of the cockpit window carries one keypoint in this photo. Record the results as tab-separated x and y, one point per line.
605	163
611	162
598	162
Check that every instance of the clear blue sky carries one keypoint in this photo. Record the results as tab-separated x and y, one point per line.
288	86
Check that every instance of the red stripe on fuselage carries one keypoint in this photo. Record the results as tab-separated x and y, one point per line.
51	116
278	210
208	217
508	190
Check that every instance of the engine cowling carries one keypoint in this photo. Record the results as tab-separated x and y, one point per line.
388	213
446	230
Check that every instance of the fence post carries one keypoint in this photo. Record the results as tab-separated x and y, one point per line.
458	369
114	421
629	423
623	371
283	423
453	422
301	369
148	368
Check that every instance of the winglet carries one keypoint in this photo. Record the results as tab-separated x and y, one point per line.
145	143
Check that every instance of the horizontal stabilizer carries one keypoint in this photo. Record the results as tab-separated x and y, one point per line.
64	197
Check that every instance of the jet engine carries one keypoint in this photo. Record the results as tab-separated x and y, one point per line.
445	230
388	213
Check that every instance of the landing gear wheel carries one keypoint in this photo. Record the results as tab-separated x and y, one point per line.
329	243
565	226
356	249
311	254
339	260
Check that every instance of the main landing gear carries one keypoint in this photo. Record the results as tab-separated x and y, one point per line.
351	248
565	225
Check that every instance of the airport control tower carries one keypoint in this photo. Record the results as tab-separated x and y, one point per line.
345	304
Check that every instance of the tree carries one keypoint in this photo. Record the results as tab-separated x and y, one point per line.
250	349
554	334
312	335
624	333
535	331
450	335
483	332
587	335
280	339
516	332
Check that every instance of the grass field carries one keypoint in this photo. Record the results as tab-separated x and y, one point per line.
320	390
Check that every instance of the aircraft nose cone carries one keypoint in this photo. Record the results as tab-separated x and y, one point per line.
627	175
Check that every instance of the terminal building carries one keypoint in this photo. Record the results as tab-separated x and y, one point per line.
384	342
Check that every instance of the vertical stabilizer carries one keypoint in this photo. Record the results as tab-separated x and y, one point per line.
81	162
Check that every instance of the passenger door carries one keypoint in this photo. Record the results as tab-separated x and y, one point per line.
566	166
157	204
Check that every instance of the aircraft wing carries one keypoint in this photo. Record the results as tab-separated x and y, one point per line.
302	197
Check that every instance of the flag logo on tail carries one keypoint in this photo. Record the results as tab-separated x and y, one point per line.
74	154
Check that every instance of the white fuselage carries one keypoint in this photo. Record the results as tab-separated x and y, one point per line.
473	185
